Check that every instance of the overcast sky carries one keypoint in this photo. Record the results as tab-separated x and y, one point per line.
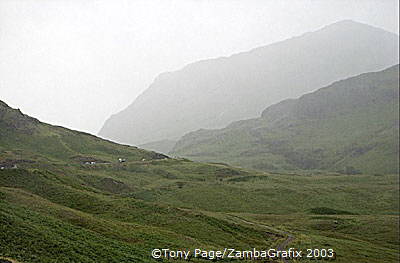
76	62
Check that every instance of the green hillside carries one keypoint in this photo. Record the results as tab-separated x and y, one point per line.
351	126
65	197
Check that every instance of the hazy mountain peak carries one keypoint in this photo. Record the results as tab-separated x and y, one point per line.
346	23
349	25
216	92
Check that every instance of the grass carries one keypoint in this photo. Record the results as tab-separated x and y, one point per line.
54	208
355	238
156	211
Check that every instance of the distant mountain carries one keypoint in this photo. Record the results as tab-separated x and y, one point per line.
350	126
213	93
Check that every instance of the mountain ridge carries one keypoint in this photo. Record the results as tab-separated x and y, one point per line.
215	92
294	133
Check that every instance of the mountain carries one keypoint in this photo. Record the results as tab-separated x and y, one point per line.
213	93
32	137
65	197
350	126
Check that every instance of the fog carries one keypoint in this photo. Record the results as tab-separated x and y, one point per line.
76	62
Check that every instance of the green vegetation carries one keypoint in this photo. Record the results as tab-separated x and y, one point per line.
57	207
351	236
350	127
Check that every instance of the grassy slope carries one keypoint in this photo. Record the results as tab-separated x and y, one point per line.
58	209
349	126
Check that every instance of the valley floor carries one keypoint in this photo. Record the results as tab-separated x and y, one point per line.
53	212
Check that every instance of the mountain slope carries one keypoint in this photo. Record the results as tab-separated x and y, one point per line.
64	197
27	134
213	93
349	126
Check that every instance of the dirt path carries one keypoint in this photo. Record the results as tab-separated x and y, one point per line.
282	245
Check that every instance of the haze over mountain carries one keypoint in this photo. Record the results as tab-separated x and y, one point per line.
350	126
212	93
75	63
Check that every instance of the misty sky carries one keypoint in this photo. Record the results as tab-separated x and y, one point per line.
76	62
